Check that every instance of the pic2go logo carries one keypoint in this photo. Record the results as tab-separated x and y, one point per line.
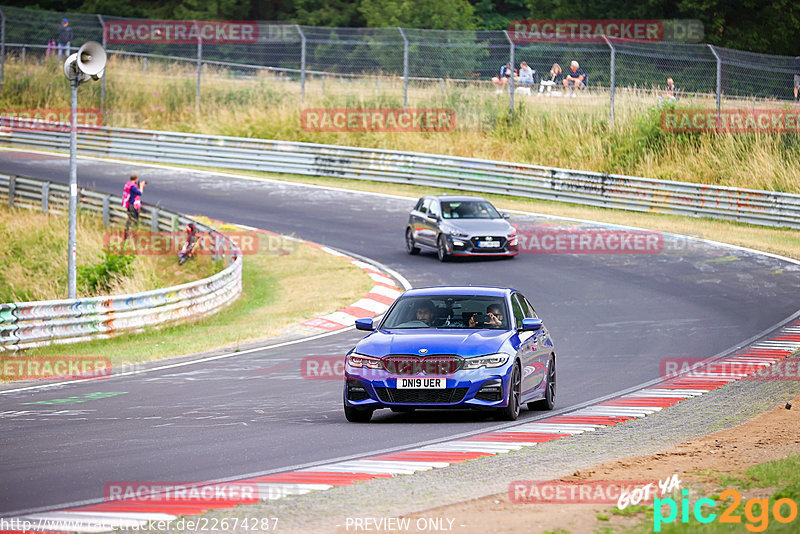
756	511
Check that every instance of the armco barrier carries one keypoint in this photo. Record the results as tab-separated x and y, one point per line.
465	174
31	324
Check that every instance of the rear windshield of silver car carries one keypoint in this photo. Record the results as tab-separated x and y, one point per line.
448	311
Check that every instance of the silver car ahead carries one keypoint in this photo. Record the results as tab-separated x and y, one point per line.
459	226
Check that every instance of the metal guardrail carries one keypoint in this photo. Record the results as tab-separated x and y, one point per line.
32	324
464	174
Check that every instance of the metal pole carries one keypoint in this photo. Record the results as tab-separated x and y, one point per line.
2	49
405	68
73	187
719	81
613	83
302	62
199	66
103	80
510	85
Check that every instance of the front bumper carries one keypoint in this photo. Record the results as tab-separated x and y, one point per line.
471	389
469	246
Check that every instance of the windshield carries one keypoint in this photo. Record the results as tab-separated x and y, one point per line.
448	311
469	209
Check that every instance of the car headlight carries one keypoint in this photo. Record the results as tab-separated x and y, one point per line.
355	359
492	360
455	233
512	237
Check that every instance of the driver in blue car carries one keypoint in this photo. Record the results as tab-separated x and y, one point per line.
425	311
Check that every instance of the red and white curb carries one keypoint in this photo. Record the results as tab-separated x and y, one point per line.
127	514
374	303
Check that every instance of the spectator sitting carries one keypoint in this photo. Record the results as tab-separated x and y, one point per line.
672	91
575	79
555	78
526	74
500	82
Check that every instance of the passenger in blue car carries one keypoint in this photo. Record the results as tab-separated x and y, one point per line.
492	319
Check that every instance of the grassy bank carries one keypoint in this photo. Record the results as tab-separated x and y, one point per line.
33	253
282	285
573	133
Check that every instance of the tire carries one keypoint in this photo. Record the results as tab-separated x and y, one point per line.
357	415
411	247
511	412
181	260
549	400
441	249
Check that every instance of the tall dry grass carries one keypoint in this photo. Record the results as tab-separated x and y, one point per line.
561	132
33	258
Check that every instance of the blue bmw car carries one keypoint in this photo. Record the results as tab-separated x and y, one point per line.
480	348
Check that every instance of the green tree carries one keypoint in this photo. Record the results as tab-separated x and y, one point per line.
427	14
336	13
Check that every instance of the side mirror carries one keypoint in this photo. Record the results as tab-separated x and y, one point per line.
365	324
436	217
531	325
506	216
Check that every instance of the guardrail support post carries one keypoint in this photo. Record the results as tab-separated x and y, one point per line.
24	49
154	220
511	84
302	62
174	223
144	64
12	190
45	197
719	81
106	210
613	82
405	68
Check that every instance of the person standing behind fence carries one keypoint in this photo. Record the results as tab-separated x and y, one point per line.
132	202
796	76
65	38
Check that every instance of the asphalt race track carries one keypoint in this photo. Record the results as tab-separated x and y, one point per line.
613	319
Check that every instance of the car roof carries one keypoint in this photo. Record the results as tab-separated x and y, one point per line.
457	198
481	291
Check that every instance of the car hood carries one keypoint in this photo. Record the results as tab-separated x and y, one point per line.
479	226
460	341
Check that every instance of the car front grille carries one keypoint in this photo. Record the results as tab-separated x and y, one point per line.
477	239
421	396
438	365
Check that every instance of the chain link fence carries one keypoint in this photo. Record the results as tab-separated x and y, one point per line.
401	61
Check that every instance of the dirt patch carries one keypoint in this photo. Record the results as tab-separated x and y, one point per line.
698	463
